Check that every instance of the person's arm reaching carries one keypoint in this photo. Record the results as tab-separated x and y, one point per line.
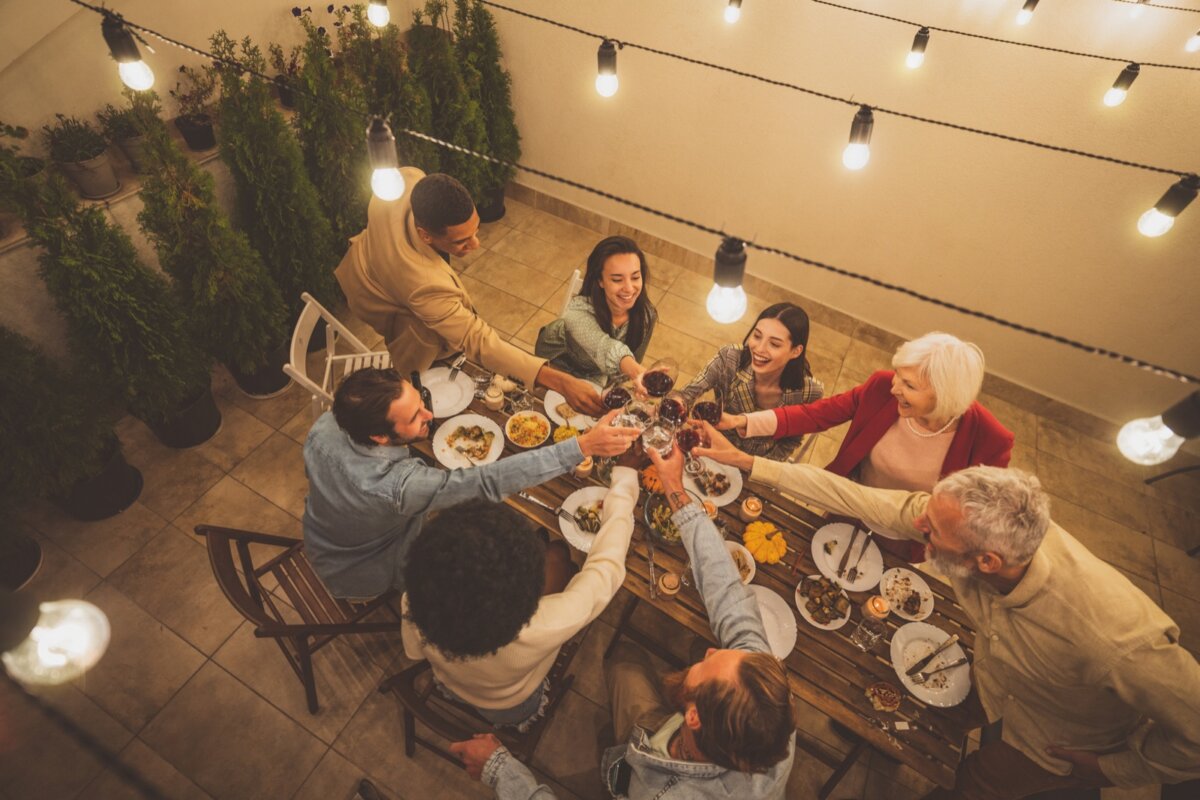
486	759
579	393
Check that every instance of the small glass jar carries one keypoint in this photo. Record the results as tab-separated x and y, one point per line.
584	468
872	627
750	510
493	398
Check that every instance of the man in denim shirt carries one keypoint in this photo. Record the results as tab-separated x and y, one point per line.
722	728
368	495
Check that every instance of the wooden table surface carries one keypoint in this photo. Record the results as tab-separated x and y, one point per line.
826	669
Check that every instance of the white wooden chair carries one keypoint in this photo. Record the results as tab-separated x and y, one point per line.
354	354
573	287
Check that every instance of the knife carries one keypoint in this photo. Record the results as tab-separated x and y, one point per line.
920	665
457	366
536	502
841	570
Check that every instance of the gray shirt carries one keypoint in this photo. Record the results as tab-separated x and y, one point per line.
576	344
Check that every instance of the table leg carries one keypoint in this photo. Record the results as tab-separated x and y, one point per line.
841	769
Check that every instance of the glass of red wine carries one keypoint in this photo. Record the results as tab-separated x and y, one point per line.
708	410
673	409
688	437
660	377
618	393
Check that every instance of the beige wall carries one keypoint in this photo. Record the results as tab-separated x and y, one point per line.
1042	238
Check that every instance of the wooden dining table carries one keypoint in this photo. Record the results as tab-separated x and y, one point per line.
826	670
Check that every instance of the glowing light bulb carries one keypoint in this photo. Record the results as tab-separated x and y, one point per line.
606	85
1114	97
68	639
136	75
733	11
378	14
1026	12
914	60
386	181
387	184
1120	88
916	54
1148	441
1159	219
856	156
1154	223
606	68
858	152
1193	44
727	299
726	304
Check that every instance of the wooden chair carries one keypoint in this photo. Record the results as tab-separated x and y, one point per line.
454	721
323	616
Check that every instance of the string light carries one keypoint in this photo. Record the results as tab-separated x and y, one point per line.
733	11
386	181
858	151
1153	440
727	299
378	14
1193	44
1116	95
67	639
133	71
606	68
916	56
1159	219
1026	12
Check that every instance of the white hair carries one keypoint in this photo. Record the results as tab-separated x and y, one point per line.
954	369
1004	510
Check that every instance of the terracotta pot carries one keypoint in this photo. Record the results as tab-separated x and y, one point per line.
94	177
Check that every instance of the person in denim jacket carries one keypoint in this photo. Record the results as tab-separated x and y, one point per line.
722	728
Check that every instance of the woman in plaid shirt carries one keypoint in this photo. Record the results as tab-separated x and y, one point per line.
770	369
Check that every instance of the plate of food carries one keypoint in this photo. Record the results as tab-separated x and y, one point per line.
778	621
822	603
907	593
527	429
585	505
658	519
742	560
561	412
720	483
467	441
449	396
830	543
915	640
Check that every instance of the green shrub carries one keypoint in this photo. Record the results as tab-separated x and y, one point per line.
73	139
128	121
478	46
195	93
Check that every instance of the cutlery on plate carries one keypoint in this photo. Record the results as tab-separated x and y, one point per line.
463	451
921	677
457	366
650	563
841	570
924	662
558	512
852	575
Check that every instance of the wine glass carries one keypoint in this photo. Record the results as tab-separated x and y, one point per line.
688	437
708	410
660	377
636	414
658	437
617	394
673	409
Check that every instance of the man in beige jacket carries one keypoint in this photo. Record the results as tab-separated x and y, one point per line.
1084	670
397	278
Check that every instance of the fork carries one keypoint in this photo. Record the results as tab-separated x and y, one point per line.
852	575
462	451
921	677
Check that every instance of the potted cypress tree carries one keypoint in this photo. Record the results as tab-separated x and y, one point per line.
478	45
288	68
194	95
235	308
57	439
82	154
276	203
120	125
122	324
18	166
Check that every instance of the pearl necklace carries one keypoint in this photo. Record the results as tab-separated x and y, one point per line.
908	421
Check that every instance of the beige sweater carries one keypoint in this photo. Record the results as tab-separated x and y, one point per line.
1075	655
512	674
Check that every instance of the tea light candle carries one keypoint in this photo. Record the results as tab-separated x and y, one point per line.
493	398
584	468
876	606
751	509
668	583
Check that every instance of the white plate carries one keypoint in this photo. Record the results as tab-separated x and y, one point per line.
449	457
579	539
534	415
741	548
801	599
778	621
581	420
449	397
729	495
895	595
914	641
870	568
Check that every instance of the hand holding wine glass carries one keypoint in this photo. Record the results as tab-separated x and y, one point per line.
708	410
722	451
673	409
660	377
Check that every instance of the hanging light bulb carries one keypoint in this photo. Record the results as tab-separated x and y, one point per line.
1153	440
916	56
1193	44
606	68
60	641
858	152
133	71
727	300
733	11
1116	95
1026	12
1159	219
386	181
378	14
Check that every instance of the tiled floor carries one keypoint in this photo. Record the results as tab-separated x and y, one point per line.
195	703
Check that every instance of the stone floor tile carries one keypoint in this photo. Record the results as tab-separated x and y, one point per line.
693	288
507	275
101	545
145	663
567	235
570	750
492	232
1082	421
1024	458
827	342
240	433
134	435
816	725
38	759
505	312
1181	490
232	504
539	254
298	426
169	781
825	369
61	575
588	665
172	580
1149	588
335	778
877	337
888	775
1111	541
1083	451
274	411
691	317
527	335
1177	571
1173	524
862	359
276	471
554	303
690	353
1186	613
1023	423
174	479
1095	492
809	775
518	214
611	614
231	742
663	273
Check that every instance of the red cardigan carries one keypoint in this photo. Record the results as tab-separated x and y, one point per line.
871	409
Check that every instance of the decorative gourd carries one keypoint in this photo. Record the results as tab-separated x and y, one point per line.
765	542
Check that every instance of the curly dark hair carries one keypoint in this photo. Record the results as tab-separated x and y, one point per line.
439	201
474	578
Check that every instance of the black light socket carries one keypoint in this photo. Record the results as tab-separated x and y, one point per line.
1179	196
606	58
729	266
920	41
1127	77
381	145
119	40
860	129
1183	418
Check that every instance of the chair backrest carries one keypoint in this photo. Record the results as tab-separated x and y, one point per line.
335	333
242	588
573	287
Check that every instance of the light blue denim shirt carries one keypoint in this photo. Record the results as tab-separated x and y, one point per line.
733	614
366	505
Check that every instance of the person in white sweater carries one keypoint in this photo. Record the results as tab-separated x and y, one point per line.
474	605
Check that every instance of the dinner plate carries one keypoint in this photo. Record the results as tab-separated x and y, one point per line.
914	641
801	599
870	568
733	547
449	457
892	587
581	540
724	498
554	399
449	396
533	415
778	620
